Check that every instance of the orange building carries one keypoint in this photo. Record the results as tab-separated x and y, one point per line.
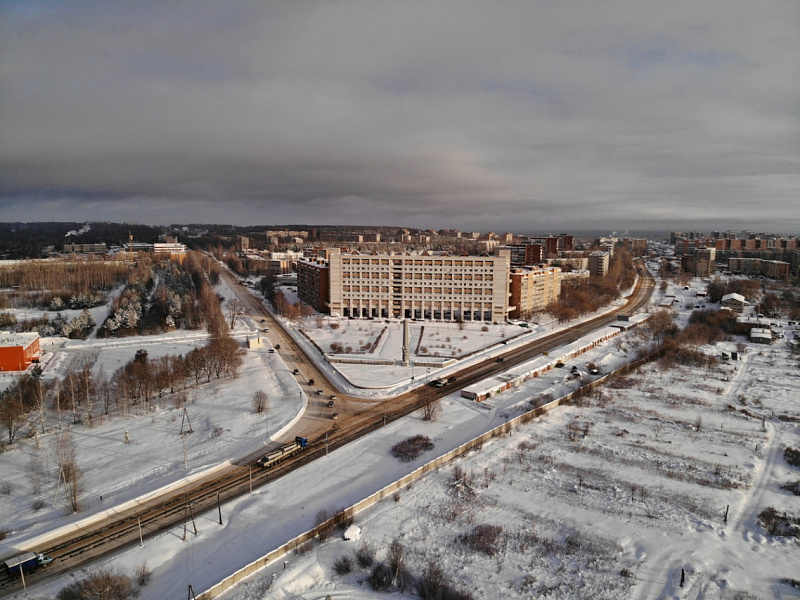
18	351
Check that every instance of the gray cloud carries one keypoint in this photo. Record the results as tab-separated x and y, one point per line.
511	115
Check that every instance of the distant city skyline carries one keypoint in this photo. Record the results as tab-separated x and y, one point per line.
518	116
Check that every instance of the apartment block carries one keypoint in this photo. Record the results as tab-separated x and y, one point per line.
86	248
755	266
598	263
532	290
526	254
427	285
313	283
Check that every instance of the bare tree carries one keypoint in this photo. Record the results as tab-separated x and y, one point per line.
41	391
235	307
67	462
12	415
260	402
431	410
660	324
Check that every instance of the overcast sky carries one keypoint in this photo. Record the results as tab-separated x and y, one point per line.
510	116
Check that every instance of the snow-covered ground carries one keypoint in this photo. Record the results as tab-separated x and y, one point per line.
610	499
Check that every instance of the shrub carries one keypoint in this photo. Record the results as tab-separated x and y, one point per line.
779	523
483	538
38	505
396	556
793	487
102	585
325	529
343	565
142	574
792	456
381	577
434	585
409	449
365	555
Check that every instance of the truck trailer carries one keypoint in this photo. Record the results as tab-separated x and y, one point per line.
30	561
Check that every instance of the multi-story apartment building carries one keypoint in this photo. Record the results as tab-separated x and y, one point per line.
86	248
532	290
313	283
636	246
526	254
428	285
598	263
755	266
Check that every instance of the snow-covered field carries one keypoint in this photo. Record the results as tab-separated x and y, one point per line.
608	499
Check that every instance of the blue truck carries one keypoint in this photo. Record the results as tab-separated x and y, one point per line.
30	561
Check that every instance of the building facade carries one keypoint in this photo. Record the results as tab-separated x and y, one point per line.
313	283
532	290
435	286
598	263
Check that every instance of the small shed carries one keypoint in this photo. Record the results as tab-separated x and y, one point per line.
352	533
760	336
254	342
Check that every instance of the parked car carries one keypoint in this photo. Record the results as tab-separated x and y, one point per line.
310	382
559	364
296	372
277	346
330	404
320	393
332	397
335	416
451	379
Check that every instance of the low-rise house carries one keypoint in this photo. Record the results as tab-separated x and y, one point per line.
734	302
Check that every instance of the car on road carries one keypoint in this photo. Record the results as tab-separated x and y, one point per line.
310	382
277	346
296	372
559	364
500	359
451	379
263	320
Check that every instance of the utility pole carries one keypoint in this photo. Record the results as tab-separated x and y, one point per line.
141	538
185	456
326	443
219	508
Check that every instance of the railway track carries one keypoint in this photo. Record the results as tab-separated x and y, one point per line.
180	507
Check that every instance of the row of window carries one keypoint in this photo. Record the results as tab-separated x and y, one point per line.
417	262
416	290
425	276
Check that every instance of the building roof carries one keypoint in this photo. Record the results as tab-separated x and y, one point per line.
9	339
735	297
